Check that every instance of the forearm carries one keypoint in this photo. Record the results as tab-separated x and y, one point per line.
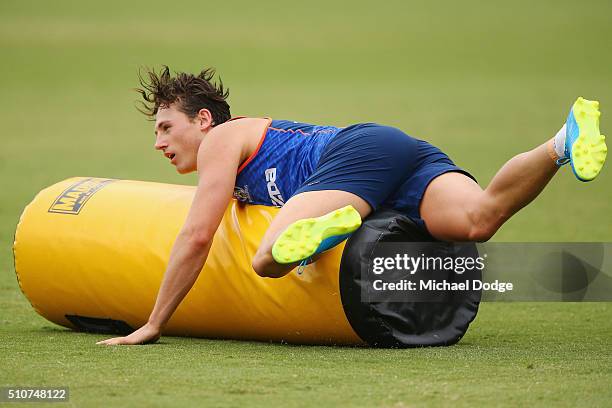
186	261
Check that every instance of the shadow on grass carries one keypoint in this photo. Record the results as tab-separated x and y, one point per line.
180	341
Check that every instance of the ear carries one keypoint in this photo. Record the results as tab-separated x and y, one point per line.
205	119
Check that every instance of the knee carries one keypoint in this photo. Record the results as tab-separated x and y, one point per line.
480	233
263	265
483	224
260	265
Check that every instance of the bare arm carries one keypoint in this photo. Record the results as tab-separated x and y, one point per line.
218	159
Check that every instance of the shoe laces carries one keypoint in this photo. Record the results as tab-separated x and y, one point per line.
303	265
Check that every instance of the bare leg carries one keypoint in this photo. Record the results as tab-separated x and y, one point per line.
304	205
455	208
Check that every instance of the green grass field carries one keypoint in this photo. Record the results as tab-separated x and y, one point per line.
482	80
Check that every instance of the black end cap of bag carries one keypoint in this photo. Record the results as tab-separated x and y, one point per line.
402	324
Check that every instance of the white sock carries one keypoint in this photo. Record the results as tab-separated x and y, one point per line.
559	143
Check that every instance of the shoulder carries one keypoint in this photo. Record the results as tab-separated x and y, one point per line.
242	125
240	135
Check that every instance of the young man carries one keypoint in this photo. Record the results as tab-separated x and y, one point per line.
326	179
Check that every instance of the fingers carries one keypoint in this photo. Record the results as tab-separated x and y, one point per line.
115	341
140	336
126	341
111	342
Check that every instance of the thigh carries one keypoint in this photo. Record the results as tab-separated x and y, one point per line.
310	204
447	203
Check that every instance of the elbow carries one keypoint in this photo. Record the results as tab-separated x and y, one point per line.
198	239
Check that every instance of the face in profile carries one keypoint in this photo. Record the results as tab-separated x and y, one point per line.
178	137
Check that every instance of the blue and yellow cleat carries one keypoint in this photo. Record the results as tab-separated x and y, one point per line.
305	238
585	147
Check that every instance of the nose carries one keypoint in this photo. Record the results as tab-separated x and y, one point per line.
160	144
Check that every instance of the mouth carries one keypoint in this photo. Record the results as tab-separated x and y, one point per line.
170	156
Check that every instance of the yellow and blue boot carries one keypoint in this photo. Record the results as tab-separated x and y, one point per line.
310	236
585	147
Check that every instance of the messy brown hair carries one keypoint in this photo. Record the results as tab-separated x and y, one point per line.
190	92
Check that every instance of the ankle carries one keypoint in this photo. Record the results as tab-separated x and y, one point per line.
550	149
558	143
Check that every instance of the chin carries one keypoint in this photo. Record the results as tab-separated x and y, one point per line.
184	170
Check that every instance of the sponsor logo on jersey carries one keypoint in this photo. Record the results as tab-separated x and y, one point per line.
72	200
273	191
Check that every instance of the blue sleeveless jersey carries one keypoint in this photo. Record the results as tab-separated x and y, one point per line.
287	155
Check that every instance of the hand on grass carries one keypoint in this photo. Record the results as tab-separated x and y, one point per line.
145	335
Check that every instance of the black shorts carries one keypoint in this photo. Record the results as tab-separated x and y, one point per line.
382	165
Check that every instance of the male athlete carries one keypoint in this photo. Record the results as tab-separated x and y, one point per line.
327	179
